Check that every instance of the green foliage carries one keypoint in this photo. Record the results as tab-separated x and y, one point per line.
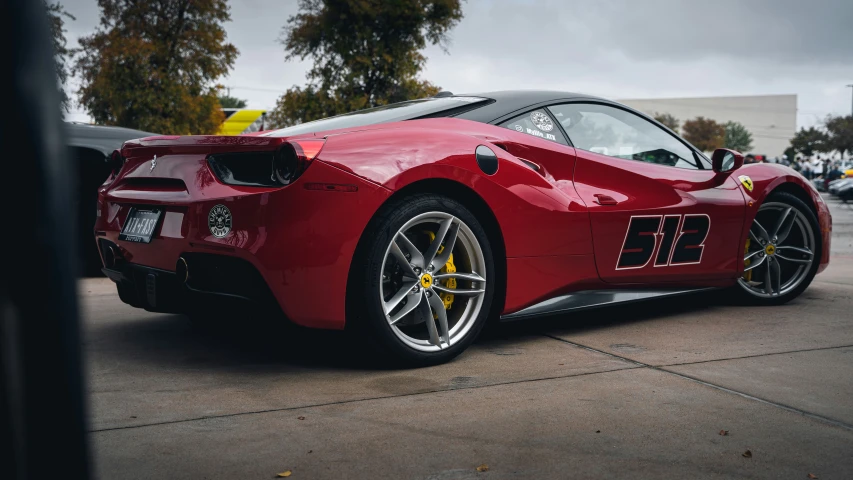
704	133
667	119
151	65
840	130
737	137
366	53
809	141
226	101
57	16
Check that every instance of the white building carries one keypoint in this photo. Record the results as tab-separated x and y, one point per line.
772	119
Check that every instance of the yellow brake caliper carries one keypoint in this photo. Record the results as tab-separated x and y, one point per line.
449	267
747	275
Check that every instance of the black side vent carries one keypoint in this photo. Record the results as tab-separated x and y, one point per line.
251	169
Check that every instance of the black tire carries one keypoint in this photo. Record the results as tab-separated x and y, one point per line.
747	298
365	311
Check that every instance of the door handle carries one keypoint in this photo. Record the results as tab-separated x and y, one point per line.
603	199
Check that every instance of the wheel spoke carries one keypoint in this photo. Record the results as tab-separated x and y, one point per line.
760	235
795	250
402	260
768	285
438	307
429	256
398	297
413	299
788	248
462	292
406	245
449	242
473	277
755	264
426	312
752	254
783	225
776	270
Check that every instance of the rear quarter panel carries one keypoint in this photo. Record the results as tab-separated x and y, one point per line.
543	222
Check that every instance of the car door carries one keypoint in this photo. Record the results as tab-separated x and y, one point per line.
658	212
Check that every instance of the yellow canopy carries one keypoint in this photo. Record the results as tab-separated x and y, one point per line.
242	121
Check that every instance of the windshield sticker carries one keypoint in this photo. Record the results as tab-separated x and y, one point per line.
519	128
537	133
543	122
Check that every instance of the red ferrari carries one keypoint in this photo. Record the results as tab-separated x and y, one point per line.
416	222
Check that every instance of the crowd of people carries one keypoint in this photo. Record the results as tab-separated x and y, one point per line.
816	167
819	169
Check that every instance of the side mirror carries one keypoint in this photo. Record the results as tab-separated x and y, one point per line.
725	160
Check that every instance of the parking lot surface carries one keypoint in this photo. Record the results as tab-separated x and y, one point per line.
685	388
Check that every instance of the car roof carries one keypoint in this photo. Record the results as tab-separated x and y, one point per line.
509	101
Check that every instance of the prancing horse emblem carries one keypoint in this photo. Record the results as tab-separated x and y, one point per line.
153	163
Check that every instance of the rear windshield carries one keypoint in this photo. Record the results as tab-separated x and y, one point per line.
394	112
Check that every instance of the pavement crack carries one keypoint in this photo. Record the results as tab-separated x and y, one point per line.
770	354
782	406
358	400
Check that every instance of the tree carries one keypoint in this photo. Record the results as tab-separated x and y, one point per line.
704	133
57	16
226	101
809	141
151	65
366	53
671	122
840	130
737	137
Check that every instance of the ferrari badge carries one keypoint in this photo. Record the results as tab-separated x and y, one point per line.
746	181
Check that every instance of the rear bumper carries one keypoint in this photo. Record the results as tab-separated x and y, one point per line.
300	243
216	282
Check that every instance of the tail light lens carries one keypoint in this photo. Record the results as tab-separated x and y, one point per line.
293	158
265	169
116	161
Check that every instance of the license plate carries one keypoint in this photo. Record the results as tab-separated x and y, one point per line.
140	225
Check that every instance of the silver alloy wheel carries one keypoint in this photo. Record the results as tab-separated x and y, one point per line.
779	259
414	275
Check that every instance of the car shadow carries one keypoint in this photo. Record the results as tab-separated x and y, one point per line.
255	340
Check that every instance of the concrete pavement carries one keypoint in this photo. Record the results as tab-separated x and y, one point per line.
640	391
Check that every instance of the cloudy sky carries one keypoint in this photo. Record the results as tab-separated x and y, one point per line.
612	48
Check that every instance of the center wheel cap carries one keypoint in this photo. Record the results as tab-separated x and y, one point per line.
770	249
426	280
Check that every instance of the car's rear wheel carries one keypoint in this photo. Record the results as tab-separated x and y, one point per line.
426	283
782	253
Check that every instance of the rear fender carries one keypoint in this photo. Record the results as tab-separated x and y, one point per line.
537	215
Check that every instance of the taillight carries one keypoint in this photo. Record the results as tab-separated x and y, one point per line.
265	169
293	158
116	162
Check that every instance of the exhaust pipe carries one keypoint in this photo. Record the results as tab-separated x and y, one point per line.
110	256
182	270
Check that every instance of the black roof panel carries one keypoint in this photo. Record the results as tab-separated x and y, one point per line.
508	101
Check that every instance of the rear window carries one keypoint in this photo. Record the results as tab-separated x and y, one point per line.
395	112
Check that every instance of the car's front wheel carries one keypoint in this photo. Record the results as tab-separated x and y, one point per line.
427	280
782	253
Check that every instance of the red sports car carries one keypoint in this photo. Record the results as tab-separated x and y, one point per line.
416	222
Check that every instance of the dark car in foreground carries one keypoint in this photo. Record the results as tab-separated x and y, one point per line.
91	147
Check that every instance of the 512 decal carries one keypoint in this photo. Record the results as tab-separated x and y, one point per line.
669	239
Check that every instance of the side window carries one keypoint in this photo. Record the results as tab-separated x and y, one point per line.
536	123
616	133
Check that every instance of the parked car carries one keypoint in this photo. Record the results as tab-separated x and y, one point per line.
91	146
416	222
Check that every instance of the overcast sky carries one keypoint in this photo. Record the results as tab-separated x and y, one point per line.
615	49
